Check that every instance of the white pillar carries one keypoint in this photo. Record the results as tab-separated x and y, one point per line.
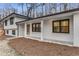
76	30
18	30
42	30
25	29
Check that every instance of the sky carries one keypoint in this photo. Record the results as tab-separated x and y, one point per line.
2	5
16	6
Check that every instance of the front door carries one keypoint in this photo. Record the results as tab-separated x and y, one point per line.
28	29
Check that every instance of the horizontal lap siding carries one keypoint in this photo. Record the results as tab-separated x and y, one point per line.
35	34
49	35
21	30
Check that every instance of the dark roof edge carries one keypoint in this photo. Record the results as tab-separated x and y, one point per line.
12	14
72	10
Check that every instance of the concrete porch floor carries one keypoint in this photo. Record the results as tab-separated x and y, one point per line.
31	47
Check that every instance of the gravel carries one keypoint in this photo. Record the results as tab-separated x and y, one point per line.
6	50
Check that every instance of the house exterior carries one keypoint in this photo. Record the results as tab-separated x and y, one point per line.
9	23
62	27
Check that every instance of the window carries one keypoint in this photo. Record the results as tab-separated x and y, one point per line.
61	26
5	22
56	26
13	32
7	31
33	27
36	27
11	20
65	26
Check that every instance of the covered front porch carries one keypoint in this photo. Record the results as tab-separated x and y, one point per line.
45	34
25	29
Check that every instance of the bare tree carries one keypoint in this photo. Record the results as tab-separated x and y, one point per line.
53	7
36	9
22	7
60	5
6	10
42	5
65	6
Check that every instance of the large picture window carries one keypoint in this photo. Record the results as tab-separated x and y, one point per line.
61	26
36	27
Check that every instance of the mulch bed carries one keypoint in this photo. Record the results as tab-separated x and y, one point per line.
31	47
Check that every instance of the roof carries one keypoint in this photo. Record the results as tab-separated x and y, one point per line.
17	15
63	12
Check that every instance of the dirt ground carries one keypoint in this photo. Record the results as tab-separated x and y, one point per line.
5	49
30	47
4	37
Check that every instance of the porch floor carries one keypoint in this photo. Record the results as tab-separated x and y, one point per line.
31	47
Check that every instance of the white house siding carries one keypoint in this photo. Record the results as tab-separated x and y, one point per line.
10	32
47	30
21	30
12	27
5	32
62	37
76	30
34	34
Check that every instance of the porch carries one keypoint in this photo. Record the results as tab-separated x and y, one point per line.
25	30
45	33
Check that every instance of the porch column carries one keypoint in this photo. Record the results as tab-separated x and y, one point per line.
76	30
18	30
42	30
25	29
